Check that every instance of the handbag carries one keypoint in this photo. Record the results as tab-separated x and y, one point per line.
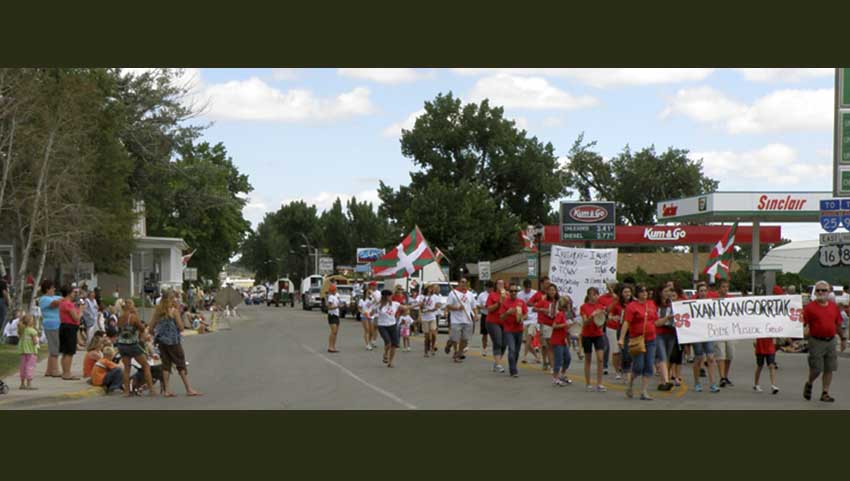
637	345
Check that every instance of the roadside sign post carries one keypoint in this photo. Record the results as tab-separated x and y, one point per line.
484	270
532	266
841	134
588	221
326	266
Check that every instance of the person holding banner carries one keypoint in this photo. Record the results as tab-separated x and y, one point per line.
724	350
462	311
666	335
512	313
822	321
593	318
704	351
639	323
494	324
482	308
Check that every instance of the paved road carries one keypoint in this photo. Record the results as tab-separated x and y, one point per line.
275	358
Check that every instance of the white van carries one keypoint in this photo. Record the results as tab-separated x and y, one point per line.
311	288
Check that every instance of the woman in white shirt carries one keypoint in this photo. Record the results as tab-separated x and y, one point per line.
429	307
365	308
332	302
388	312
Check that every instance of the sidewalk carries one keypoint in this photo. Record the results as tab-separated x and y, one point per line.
53	389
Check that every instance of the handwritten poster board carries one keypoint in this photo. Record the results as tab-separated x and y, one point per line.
706	320
574	270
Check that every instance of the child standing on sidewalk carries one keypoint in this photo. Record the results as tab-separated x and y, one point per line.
765	353
28	349
405	322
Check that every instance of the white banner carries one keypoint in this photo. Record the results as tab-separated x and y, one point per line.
484	270
574	270
731	318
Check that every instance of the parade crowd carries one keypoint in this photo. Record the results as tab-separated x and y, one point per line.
628	329
121	352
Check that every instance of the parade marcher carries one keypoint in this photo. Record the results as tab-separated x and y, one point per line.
69	319
333	317
482	309
765	354
375	302
130	332
494	324
607	300
677	354
49	305
593	317
462	312
560	350
388	313
405	326
430	306
364	308
724	351
665	335
822	321
544	328
704	352
639	322
622	361
530	297
167	326
512	312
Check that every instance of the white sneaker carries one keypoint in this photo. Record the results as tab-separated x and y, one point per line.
757	388
618	376
499	368
368	347
590	388
774	389
601	388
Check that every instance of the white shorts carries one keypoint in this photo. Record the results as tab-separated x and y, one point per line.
611	334
545	331
724	350
428	326
530	329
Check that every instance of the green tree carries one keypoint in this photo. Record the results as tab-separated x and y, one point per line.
635	181
337	234
202	203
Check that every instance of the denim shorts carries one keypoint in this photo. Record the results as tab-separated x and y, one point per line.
703	349
664	347
642	363
390	335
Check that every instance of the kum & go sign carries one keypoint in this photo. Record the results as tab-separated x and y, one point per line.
675	235
756	204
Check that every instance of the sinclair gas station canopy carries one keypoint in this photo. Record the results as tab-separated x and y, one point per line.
753	207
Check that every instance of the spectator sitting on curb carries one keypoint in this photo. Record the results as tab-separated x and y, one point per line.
107	373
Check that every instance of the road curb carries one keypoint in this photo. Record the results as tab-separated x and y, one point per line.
88	392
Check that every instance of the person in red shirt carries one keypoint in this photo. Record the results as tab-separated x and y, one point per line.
615	321
665	335
560	351
639	320
822	321
724	351
399	295
608	299
494	323
593	318
69	318
765	353
544	326
512	312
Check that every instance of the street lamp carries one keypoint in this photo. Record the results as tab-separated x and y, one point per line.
538	237
315	251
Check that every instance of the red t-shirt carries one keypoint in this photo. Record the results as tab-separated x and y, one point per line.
65	308
665	329
615	317
712	295
590	329
777	290
606	300
398	298
823	321
511	323
634	315
495	298
543	318
765	345
559	334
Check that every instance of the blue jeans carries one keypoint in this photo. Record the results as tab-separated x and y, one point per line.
562	358
514	343
664	347
626	359
497	335
607	348
642	363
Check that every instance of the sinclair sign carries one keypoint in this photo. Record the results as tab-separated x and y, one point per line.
764	206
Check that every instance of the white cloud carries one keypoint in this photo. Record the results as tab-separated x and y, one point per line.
284	73
394	130
389	76
778	111
552	122
324	200
605	77
255	207
784	74
772	165
254	99
535	93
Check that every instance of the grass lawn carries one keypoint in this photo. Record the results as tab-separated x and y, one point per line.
10	359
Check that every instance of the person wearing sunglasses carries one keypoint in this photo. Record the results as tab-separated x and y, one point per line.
512	313
822	321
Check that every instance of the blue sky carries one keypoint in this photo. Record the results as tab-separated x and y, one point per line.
314	134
